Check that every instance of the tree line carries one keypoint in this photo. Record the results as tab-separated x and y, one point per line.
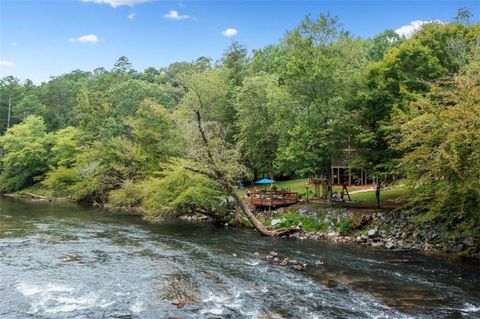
173	140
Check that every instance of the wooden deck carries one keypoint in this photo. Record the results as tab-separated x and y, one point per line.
273	199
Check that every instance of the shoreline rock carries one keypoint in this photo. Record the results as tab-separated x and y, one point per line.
394	231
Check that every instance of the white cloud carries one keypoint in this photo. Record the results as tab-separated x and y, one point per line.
118	3
6	63
14	44
173	14
89	38
410	29
132	16
229	32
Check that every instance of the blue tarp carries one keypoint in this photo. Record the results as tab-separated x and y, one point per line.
265	181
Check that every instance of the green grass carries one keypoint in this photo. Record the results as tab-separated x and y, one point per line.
391	196
299	186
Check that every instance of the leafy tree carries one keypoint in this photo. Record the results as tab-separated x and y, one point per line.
66	146
29	105
177	192
271	59
59	95
235	60
215	159
155	134
91	117
101	168
464	16
323	66
10	94
382	42
403	75
260	104
25	149
123	65
439	134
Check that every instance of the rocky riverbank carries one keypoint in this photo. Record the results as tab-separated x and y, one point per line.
390	230
368	227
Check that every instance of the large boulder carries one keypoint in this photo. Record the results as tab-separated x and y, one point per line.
372	233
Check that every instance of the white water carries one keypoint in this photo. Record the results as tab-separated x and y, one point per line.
71	262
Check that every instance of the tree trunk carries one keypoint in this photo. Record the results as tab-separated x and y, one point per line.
220	178
9	111
329	186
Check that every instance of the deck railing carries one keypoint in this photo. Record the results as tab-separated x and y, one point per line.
273	198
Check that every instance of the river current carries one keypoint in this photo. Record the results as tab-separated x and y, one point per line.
66	261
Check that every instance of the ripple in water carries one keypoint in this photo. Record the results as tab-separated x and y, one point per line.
70	262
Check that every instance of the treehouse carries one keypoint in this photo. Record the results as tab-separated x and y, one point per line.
343	172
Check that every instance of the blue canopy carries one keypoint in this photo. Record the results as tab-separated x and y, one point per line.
265	181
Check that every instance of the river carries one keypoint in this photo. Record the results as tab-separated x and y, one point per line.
67	261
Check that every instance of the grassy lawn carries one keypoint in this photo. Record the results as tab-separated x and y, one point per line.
299	186
389	197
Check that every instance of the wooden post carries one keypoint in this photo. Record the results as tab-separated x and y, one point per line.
349	176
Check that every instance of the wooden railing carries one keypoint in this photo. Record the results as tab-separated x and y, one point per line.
273	198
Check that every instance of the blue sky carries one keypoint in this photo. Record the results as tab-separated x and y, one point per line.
42	38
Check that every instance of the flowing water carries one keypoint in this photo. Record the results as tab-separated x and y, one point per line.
66	261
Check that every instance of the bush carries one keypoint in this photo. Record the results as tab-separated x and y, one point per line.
345	227
310	224
61	179
129	195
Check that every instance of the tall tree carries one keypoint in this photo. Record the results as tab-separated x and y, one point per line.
439	135
323	64
260	104
215	158
25	149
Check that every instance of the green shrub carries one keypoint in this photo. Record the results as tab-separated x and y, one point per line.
61	179
310	224
345	227
129	195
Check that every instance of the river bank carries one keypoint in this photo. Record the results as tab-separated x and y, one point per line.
62	260
393	230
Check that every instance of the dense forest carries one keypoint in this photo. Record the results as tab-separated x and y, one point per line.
174	140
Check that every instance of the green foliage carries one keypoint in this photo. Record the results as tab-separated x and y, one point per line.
154	132
180	191
127	196
309	223
28	105
65	146
260	102
345	227
404	74
439	134
61	179
25	154
322	69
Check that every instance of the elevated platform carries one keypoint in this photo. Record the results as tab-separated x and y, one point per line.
273	198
